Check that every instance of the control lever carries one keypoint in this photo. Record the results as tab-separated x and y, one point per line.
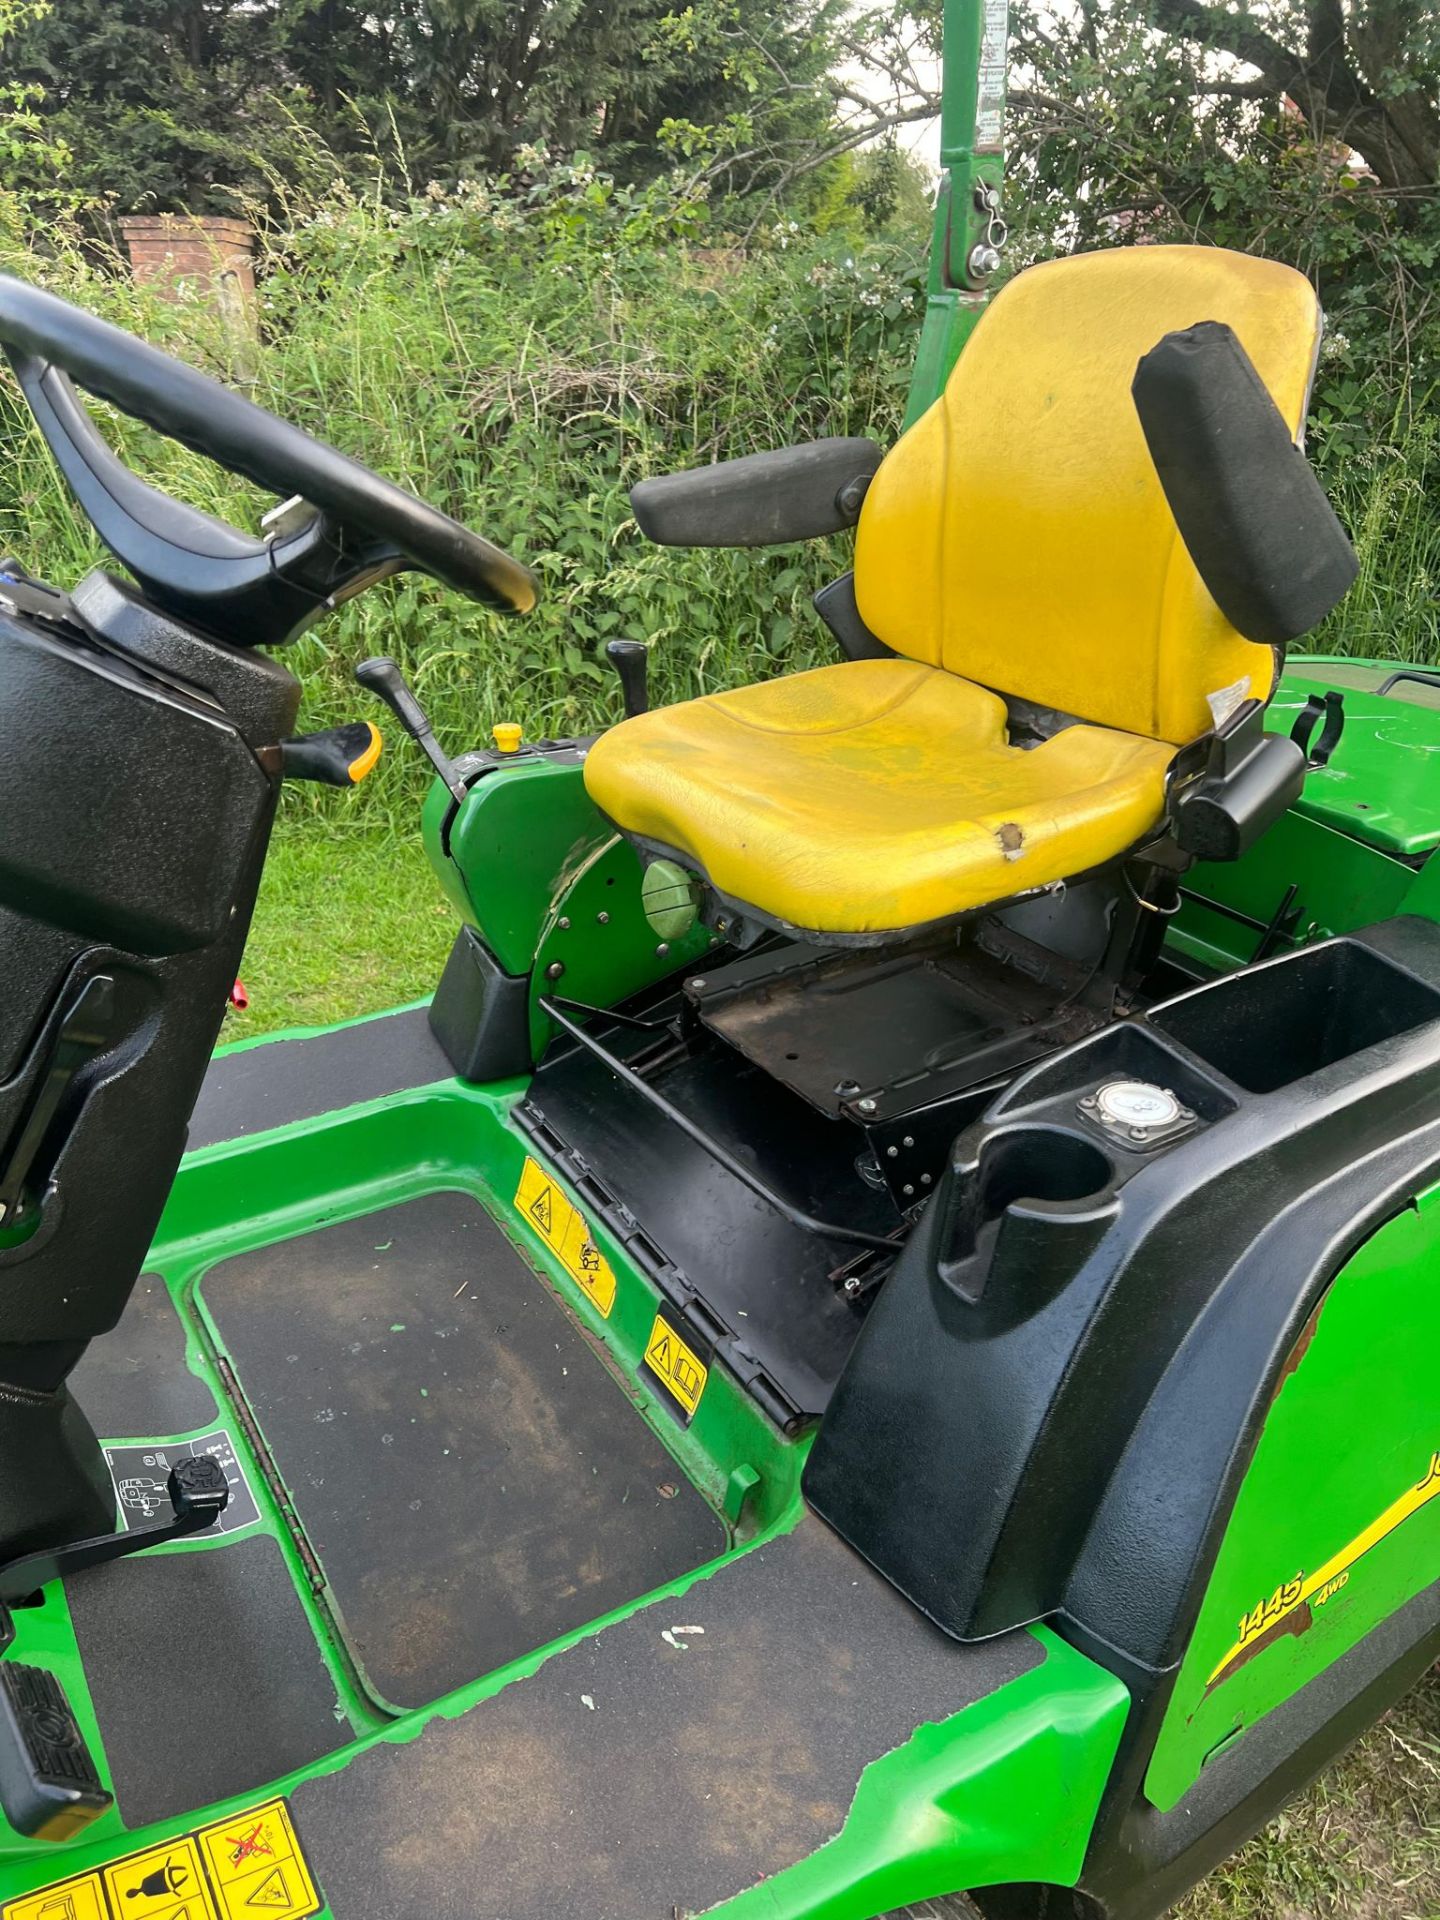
199	1494
339	757
631	660
85	1028
50	1788
382	676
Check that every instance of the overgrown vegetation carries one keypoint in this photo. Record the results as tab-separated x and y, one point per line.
522	349
521	356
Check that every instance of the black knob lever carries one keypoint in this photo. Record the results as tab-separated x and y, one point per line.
382	676
631	660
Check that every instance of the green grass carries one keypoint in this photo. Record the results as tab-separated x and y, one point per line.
1362	1844
349	921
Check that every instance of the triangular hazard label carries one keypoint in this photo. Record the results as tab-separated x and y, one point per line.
272	1895
540	1210
659	1355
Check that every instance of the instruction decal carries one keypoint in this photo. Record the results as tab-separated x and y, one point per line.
541	1203
990	89
249	1867
140	1472
675	1361
1291	1607
82	1898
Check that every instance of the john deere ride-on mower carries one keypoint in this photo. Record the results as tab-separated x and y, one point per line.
877	1338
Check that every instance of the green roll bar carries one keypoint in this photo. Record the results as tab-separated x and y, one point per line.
969	233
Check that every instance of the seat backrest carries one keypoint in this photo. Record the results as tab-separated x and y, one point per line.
1018	533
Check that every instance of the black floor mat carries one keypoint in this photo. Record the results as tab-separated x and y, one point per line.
269	1086
206	1677
472	1479
132	1383
694	1771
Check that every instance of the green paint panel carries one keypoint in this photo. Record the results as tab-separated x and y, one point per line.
1354	844
1342	885
511	850
971	158
1337	1522
1007	1790
599	938
1382	785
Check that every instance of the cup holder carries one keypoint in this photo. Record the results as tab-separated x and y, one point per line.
1040	1163
1043	1173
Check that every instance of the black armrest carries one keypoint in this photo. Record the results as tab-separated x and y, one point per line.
1249	508
760	500
1249	779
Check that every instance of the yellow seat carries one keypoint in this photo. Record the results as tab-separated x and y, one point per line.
875	795
1016	540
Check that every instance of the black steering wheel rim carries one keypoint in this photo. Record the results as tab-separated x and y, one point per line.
188	406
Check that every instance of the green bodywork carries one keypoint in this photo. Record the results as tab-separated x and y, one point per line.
553	890
1337	1523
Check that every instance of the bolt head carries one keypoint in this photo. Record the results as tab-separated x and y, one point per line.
925	1179
908	1141
866	1105
564	923
892	1153
983	261
555	969
662	949
907	1188
697	986
603	918
852	1286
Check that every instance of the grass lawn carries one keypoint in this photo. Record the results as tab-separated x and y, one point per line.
350	920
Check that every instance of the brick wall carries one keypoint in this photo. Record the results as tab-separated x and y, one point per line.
210	251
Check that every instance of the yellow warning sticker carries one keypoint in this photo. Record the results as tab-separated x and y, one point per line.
676	1365
163	1883
252	1869
257	1868
80	1899
540	1201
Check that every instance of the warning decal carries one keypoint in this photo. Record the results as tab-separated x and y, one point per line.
252	1869
257	1867
163	1883
540	1201
672	1358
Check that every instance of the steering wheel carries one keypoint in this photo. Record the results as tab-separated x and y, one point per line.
241	589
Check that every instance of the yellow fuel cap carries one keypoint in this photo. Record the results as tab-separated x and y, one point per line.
506	736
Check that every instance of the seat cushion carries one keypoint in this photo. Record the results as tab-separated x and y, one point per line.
873	796
1018	533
